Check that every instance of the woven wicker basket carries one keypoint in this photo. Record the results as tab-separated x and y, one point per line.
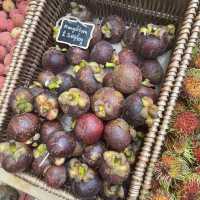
36	38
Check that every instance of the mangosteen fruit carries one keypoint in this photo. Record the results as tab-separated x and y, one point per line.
114	168
88	79
127	78
85	182
54	60
139	111
75	55
18	159
108	80
148	92
67	122
60	144
21	100
23	127
153	71
113	28
107	103
74	102
113	192
8	193
101	52
56	176
78	151
80	11
130	154
45	77
129	37
46	105
89	128
41	160
153	40
36	88
48	128
92	154
4	150
97	35
127	56
117	134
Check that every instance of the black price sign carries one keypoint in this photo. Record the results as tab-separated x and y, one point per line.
75	33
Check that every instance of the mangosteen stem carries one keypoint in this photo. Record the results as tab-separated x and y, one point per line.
82	171
110	65
45	158
24	106
54	84
101	110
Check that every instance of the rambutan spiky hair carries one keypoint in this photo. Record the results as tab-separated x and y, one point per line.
190	188
184	124
170	168
160	195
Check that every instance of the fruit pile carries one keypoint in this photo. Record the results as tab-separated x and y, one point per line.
80	124
12	15
177	174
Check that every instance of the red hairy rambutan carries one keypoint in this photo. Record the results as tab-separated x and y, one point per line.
159	195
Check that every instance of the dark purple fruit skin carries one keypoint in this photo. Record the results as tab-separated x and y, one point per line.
132	110
149	46
89	129
67	80
56	176
148	92
108	80
97	35
39	169
92	154
21	164
129	37
87	81
23	127
54	60
127	78
20	93
127	56
67	123
111	99
45	77
117	135
153	71
48	128
75	55
60	144
87	189
78	151
117	28
101	52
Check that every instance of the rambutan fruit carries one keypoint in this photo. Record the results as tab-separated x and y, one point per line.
159	195
3	53
184	124
196	151
7	59
190	188
5	38
182	147
196	57
191	88
3	23
2	80
18	20
170	168
9	25
3	14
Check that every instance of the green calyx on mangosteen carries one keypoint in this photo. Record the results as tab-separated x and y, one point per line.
21	100
114	168
107	103
74	102
46	105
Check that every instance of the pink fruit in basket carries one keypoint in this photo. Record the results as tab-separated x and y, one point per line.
7	60
54	60
3	14
2	69
89	128
18	159
13	13
56	176
15	33
23	127
3	24
2	80
3	53
5	38
22	6
9	25
8	5
18	19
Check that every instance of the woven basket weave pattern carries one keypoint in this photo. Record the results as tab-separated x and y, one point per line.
36	38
